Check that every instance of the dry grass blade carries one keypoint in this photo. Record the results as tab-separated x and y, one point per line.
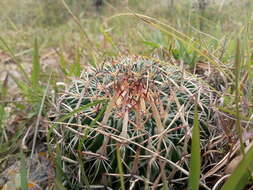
39	116
90	43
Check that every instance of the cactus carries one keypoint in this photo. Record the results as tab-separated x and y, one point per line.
140	107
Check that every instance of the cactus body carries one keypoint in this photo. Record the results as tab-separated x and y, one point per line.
143	109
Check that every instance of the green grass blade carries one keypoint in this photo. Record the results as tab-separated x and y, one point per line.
1	118
84	177
58	164
120	167
59	185
109	39
93	60
3	95
75	68
62	62
60	174
36	65
81	108
13	56
237	95
234	182
23	172
151	44
99	116
4	87
195	154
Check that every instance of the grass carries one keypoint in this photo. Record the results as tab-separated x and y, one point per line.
23	172
45	45
195	154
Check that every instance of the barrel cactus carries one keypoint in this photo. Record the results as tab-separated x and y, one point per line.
133	112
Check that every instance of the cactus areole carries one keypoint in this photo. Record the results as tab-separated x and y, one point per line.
147	115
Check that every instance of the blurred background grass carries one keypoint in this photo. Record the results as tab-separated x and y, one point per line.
215	21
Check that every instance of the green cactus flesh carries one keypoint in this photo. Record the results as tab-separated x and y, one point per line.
147	113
